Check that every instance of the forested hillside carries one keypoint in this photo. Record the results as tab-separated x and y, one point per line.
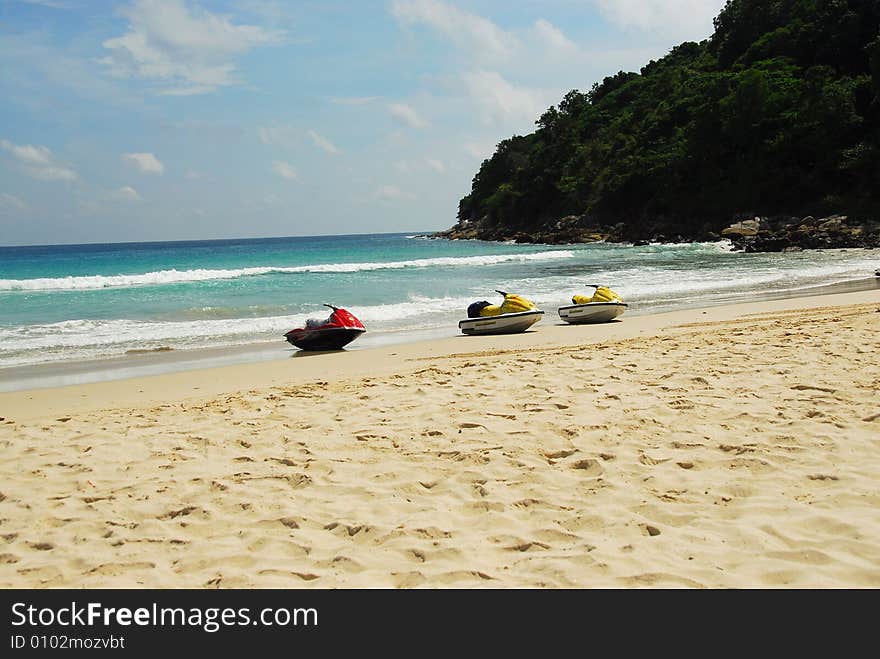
778	113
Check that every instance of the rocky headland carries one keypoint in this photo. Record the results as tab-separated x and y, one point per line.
750	233
766	133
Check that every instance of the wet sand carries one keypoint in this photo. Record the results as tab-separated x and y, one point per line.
141	363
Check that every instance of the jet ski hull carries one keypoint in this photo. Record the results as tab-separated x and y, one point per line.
507	323
330	338
593	312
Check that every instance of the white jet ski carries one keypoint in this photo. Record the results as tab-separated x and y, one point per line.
605	305
515	314
508	323
592	312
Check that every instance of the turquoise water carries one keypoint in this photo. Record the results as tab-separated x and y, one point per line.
73	302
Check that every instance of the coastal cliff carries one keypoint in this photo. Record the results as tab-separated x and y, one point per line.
767	133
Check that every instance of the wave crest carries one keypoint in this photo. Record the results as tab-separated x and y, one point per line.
168	277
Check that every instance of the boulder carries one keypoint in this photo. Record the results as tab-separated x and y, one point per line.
833	223
567	222
744	228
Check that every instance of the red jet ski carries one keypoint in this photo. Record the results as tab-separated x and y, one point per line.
340	329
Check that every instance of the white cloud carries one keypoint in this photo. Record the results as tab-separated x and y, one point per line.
392	193
497	69
354	100
193	175
406	167
29	154
38	162
677	19
436	165
126	193
284	135
481	150
407	115
552	38
500	100
324	143
478	35
290	137
146	162
502	68
195	90
285	170
11	202
52	4
190	49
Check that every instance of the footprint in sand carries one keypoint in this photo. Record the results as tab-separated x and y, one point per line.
467	425
590	467
528	545
416	554
556	455
305	576
287	462
408	579
115	569
42	546
172	514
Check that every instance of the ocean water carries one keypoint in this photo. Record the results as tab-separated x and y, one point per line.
66	303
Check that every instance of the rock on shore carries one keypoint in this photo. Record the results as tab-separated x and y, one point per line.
750	233
786	234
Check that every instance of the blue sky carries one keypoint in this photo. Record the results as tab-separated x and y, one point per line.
177	119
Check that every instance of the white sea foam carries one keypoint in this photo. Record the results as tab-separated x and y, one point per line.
83	339
659	284
655	282
647	280
165	277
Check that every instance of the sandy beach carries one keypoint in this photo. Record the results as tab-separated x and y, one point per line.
730	447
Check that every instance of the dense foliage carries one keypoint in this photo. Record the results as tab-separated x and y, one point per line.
777	112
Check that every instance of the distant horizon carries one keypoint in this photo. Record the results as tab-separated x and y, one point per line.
219	240
187	118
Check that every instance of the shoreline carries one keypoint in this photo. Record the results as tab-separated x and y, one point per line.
167	361
728	447
308	367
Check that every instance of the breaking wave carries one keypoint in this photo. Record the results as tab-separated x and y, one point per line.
166	277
